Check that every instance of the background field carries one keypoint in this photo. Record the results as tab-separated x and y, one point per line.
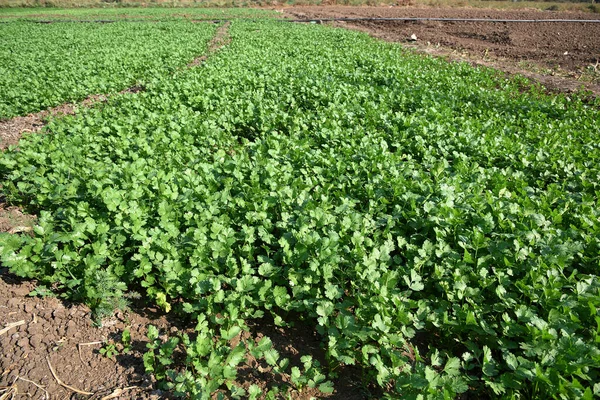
150	13
36	73
588	6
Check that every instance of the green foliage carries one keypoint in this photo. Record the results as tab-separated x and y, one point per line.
112	348
126	341
43	65
435	225
109	350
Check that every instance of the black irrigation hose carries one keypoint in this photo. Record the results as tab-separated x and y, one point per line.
416	19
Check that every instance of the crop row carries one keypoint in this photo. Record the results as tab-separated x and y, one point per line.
436	225
43	66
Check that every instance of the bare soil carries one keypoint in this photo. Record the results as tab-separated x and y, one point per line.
14	220
62	335
562	56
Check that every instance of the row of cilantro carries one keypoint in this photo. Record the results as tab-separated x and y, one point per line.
45	65
436	225
150	13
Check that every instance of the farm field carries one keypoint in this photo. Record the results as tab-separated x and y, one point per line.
564	57
293	211
37	73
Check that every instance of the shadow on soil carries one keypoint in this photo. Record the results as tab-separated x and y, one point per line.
64	333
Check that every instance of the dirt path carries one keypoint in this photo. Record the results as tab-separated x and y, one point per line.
12	129
220	39
561	56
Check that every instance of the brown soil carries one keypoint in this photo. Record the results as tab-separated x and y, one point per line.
62	335
293	343
559	55
13	220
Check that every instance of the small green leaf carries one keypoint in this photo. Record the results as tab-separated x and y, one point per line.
452	367
326	387
152	332
271	357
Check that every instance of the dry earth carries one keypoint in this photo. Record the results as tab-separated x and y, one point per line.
57	334
44	340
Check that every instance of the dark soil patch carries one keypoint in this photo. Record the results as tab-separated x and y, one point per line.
564	50
293	343
133	89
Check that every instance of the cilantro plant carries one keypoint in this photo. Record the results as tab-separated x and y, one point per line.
109	350
45	65
435	224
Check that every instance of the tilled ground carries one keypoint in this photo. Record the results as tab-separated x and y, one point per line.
60	335
561	56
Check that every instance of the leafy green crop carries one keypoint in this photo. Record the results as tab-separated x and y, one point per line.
46	65
434	225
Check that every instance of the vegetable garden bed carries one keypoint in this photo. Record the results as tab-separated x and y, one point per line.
434	225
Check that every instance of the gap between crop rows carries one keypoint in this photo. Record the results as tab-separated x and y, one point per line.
218	41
